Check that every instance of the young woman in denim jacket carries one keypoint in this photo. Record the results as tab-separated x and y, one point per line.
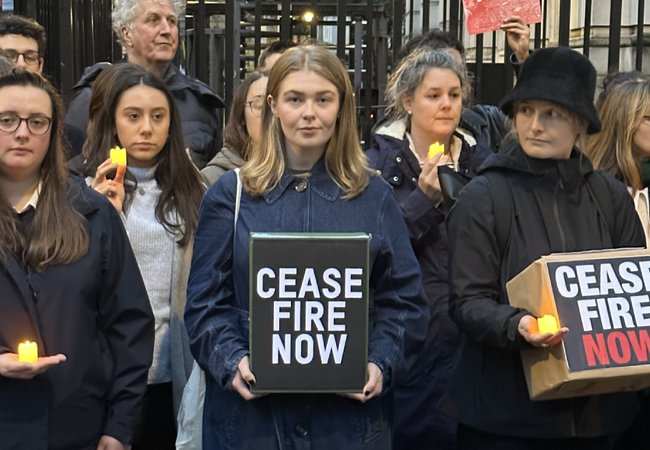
309	175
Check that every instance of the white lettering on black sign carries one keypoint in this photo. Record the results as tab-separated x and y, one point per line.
606	306
282	285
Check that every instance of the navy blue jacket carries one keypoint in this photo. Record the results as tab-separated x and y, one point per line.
200	113
217	311
96	312
418	421
394	160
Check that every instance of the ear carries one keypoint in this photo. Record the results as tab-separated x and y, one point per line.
127	38
41	61
272	104
407	102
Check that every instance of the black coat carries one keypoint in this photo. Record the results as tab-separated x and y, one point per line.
552	211
96	312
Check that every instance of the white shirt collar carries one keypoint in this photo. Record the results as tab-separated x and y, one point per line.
33	199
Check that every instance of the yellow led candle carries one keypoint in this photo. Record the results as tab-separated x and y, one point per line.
118	156
436	148
547	324
28	352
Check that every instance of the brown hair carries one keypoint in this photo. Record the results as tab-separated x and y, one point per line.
58	233
180	182
344	159
235	134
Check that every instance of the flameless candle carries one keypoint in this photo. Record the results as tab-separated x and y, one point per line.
547	324
28	352
118	156
436	148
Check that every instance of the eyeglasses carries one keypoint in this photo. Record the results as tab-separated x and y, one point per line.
37	124
31	57
256	105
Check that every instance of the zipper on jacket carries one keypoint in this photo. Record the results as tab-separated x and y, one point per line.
556	214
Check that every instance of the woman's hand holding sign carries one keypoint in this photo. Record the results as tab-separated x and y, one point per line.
529	330
244	379
373	387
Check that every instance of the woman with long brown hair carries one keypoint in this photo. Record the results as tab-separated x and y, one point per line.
68	282
159	199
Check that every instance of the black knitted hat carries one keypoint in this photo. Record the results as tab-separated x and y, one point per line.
557	75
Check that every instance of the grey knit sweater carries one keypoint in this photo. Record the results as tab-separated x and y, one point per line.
158	257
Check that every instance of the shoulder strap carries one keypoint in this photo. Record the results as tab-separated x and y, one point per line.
237	198
504	208
600	193
504	205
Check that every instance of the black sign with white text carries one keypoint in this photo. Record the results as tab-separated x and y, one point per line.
309	311
605	304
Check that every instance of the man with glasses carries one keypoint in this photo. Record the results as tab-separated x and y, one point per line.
22	41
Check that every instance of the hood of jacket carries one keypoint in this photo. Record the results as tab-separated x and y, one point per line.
226	159
396	129
512	157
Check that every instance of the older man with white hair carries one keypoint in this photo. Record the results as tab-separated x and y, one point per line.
148	32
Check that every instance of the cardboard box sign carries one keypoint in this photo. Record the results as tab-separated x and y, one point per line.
309	311
603	298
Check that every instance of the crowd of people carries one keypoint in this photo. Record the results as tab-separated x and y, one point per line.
132	281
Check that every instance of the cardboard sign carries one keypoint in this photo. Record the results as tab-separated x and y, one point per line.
605	302
604	299
488	15
309	311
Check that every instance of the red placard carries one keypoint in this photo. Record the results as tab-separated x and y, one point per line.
488	15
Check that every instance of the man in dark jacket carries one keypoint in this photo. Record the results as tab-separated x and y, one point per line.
148	32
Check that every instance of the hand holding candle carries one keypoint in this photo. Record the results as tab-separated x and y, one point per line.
543	332
13	365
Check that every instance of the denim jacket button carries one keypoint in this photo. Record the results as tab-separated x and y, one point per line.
301	186
300	431
395	179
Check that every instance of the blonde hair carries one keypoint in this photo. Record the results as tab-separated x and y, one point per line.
344	160
621	113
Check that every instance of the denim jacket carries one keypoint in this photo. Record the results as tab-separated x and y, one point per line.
218	292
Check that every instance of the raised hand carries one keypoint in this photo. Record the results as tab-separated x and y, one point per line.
113	190
518	37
